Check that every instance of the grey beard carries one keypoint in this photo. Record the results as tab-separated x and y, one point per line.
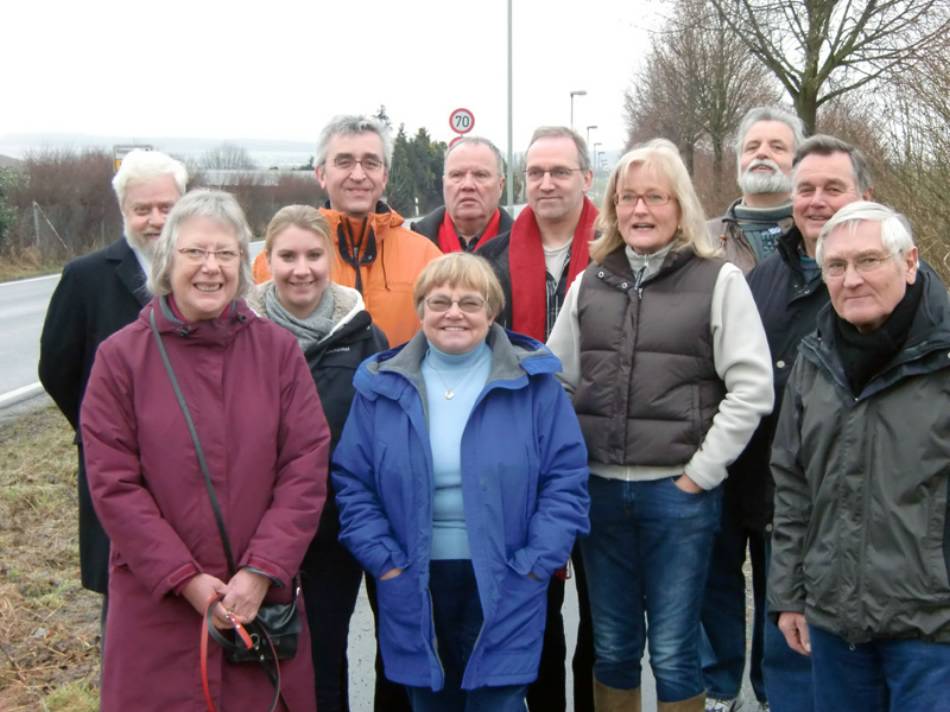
761	183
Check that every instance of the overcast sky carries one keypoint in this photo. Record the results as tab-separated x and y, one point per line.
280	69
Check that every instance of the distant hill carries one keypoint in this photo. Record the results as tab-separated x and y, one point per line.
8	162
265	152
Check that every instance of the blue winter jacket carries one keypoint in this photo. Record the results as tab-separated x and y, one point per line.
524	491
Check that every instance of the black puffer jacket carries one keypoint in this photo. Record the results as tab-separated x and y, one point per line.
861	542
333	363
788	304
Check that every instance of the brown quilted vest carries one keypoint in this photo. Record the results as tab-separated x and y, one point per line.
648	388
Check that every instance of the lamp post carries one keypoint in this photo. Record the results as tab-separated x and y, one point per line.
577	92
592	126
596	161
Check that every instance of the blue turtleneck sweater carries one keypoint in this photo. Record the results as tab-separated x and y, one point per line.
465	375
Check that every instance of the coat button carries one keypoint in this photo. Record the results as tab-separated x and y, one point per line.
780	364
601	274
623	285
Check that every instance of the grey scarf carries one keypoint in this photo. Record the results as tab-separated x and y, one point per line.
309	331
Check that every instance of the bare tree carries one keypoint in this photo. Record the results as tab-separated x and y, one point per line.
227	156
698	81
822	49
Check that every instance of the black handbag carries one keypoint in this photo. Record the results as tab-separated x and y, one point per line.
275	630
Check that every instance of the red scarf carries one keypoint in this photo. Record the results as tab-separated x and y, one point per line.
449	240
526	262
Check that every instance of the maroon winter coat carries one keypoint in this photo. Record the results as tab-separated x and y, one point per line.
266	441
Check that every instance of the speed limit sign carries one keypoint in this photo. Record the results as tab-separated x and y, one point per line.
461	121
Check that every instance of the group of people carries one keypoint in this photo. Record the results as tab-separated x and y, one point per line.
472	409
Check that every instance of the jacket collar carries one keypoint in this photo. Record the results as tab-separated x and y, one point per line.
381	220
128	270
221	330
515	358
927	348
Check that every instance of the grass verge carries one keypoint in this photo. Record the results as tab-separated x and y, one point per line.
49	625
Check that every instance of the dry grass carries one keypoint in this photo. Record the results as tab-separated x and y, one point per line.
49	625
27	263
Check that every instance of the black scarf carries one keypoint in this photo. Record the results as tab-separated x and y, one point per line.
864	355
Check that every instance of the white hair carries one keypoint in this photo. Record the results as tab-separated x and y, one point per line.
896	235
212	204
141	165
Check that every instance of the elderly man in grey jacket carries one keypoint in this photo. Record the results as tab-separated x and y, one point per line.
860	570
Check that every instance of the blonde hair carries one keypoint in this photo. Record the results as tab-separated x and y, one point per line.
662	157
460	269
304	217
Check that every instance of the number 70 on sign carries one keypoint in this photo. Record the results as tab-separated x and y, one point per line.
461	121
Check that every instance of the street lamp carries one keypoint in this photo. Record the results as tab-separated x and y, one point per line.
592	126
577	92
596	162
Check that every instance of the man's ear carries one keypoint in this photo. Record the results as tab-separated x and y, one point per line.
320	173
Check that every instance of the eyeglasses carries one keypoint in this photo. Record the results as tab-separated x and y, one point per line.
469	305
478	176
862	265
652	199
197	255
536	175
369	164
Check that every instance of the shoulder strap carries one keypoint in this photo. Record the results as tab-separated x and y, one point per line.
202	463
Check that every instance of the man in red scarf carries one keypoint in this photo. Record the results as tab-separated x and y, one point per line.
472	183
536	261
547	245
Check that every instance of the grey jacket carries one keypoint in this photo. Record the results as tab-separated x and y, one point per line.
861	543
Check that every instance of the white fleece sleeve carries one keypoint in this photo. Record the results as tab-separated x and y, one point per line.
742	360
565	339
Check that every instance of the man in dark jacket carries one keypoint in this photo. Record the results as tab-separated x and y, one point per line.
765	146
535	262
472	183
861	545
97	295
788	291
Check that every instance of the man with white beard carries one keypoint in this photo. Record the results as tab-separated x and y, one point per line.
765	146
97	295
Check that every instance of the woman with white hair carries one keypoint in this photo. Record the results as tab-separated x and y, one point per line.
206	451
668	365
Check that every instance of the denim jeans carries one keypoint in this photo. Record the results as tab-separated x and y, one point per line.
880	676
723	644
457	614
648	555
787	674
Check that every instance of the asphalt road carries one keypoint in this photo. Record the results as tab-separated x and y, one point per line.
23	307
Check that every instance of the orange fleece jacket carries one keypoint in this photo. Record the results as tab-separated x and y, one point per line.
388	280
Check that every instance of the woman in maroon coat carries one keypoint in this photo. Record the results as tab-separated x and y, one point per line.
265	439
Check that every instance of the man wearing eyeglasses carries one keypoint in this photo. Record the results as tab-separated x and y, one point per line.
472	184
536	261
97	295
748	232
861	545
788	290
375	253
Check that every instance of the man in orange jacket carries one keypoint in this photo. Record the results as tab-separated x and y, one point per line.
374	252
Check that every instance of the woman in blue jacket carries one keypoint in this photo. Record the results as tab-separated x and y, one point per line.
461	478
